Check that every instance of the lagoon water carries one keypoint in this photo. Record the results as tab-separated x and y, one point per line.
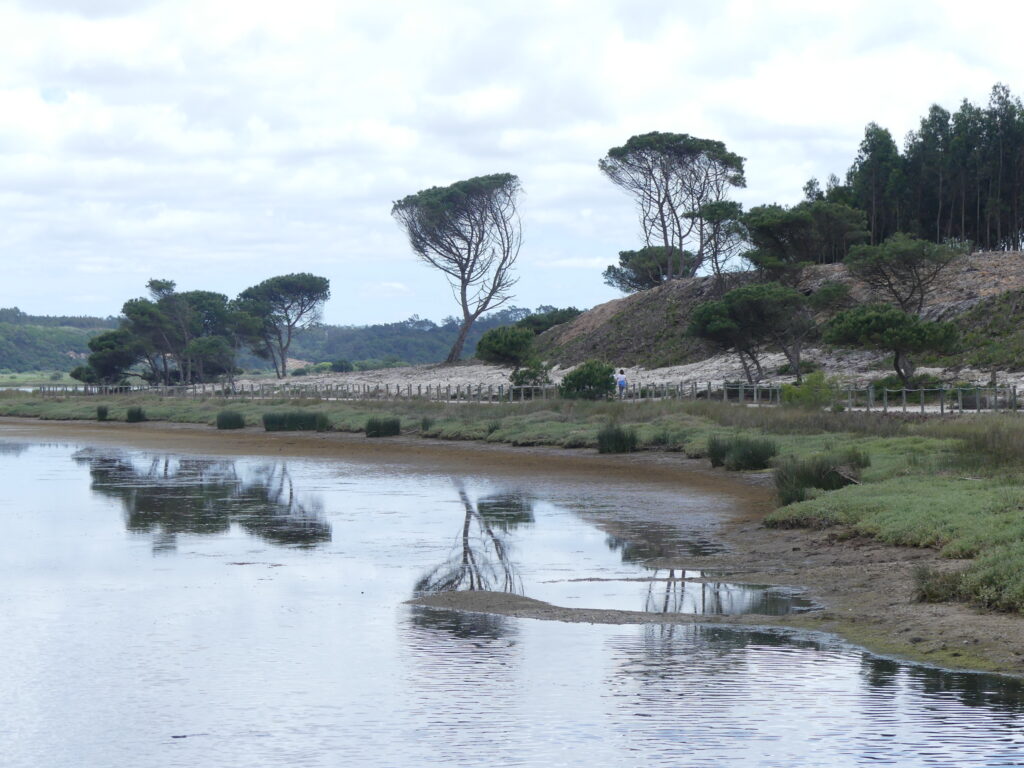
162	610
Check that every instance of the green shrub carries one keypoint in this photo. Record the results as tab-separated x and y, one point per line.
383	426
533	374
294	421
612	438
341	366
135	414
747	453
826	471
718	448
102	412
230	420
426	423
323	367
741	453
934	586
815	392
300	372
506	345
591	380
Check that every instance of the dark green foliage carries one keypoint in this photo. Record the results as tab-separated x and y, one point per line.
135	414
647	268
533	374
806	366
299	372
341	366
547	317
508	345
612	438
903	268
294	421
741	453
271	312
750	453
828	472
935	586
383	426
230	420
787	239
102	412
426	423
880	326
591	380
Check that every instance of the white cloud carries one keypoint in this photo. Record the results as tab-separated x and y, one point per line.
219	142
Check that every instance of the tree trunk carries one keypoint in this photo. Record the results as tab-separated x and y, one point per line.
904	367
460	341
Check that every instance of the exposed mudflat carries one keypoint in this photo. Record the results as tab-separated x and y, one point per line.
866	588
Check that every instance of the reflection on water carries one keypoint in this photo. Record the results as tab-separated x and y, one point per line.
166	496
317	662
480	560
673	594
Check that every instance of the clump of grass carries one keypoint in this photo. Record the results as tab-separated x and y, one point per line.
135	414
426	423
827	471
612	438
230	420
288	421
493	426
383	426
934	586
741	453
102	412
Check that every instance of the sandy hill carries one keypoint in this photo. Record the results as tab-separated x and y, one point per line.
649	328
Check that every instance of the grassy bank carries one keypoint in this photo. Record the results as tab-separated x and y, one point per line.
953	485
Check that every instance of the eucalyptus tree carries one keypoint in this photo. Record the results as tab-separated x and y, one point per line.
470	231
267	315
672	177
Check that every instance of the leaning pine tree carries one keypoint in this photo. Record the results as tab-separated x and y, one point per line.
471	232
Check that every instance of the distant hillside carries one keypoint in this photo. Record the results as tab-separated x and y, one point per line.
981	291
38	342
412	341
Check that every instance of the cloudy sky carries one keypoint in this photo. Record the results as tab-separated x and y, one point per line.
221	142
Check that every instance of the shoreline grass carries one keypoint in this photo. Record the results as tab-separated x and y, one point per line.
953	484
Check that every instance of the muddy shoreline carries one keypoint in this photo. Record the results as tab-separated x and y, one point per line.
866	587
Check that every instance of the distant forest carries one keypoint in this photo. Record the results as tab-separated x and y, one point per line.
59	343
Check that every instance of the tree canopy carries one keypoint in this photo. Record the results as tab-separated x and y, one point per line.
470	231
673	177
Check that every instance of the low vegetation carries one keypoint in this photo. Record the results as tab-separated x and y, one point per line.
383	426
295	421
230	420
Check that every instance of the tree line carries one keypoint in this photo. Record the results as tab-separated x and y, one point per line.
181	337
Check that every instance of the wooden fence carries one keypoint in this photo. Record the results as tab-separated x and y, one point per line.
936	400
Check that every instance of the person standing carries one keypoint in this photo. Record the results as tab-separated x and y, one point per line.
620	383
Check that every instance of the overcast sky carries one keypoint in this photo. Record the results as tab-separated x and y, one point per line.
218	143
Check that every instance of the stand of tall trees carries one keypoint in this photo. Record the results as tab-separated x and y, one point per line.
960	176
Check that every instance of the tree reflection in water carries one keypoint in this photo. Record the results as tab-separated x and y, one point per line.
165	496
480	559
674	594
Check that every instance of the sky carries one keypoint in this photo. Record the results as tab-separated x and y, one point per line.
217	143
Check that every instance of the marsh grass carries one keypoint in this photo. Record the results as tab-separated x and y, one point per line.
932	585
824	471
135	414
612	438
739	452
383	426
230	420
295	421
102	412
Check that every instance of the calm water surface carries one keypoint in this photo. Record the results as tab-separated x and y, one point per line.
162	610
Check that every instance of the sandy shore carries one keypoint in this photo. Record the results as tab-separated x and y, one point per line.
866	587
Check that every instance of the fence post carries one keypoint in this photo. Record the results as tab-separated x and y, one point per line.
922	399
885	399
960	399
903	397
740	394
871	396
